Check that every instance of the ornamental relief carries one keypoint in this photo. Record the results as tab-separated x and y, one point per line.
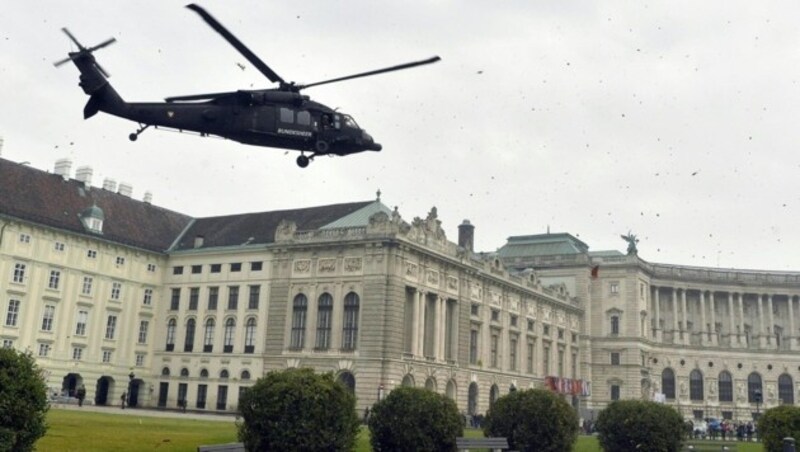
433	278
573	322
513	305
352	264
475	291
302	266
326	265
452	284
532	309
494	297
561	318
547	313
411	270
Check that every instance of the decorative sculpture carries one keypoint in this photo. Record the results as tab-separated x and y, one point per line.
632	241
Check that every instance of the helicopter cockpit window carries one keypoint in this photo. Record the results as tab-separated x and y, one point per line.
303	118
287	115
350	122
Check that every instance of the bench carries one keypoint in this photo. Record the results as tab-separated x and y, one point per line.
709	447
482	443
229	447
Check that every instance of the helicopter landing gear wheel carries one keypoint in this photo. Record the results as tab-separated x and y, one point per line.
303	161
321	147
133	137
136	134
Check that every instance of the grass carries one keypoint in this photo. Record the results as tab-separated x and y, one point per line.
71	430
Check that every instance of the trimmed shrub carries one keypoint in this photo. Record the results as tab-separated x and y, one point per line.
634	425
415	419
533	420
23	401
299	410
778	423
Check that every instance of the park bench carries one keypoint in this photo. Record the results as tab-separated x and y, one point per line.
229	447
709	447
493	444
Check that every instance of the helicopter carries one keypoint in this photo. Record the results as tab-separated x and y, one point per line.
279	117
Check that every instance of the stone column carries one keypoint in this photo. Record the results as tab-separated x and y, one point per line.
741	318
762	336
415	323
713	305
703	327
771	326
658	335
674	315
421	319
732	333
686	335
442	327
790	336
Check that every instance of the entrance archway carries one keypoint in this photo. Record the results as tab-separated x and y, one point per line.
348	380
70	384
105	386
133	396
472	400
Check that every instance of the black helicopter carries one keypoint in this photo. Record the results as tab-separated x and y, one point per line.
278	117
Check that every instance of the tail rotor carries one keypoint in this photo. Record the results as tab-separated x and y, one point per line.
83	51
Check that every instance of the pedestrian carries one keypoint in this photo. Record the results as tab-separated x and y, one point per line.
123	398
81	395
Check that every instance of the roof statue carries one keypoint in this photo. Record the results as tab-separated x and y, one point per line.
632	241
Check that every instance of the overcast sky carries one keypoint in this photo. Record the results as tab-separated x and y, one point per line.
675	120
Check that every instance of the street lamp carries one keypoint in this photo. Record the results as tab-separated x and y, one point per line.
757	397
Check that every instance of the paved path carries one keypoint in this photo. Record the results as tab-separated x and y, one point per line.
148	412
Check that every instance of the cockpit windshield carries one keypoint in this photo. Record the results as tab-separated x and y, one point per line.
350	122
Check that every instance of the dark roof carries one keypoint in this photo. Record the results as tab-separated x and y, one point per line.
259	228
37	196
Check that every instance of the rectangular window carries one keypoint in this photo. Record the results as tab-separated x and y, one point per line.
59	247
24	238
175	302
233	297
474	309
615	358
545	330
216	268
531	325
546	360
256	266
86	288
140	360
614	288
222	397
473	346
255	292
614	392
194	296
144	325
197	269
236	267
19	273
574	338
148	297
614	325
106	356
111	327
12	315
561	363
151	268
495	315
120	260
47	317
80	323
8	343
560	334
287	115
512	354
77	353
116	290
91	254
494	350
201	395
529	358
213	296
177	270
574	365
513	321
44	350
55	279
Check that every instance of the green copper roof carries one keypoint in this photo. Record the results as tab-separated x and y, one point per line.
542	245
360	217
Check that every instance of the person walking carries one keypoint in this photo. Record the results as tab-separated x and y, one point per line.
81	395
123	398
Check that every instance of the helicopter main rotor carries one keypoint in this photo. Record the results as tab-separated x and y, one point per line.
272	75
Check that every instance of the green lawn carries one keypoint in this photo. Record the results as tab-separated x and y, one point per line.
85	431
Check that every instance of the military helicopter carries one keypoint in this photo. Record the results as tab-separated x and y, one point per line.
278	117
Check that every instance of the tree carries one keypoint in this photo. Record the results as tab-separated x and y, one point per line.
778	423
415	419
631	425
297	409
23	401
533	419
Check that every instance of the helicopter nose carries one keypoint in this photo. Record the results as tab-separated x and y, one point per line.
375	147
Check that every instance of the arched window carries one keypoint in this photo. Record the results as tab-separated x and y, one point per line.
430	384
350	329
408	381
324	319
299	308
494	394
696	385
250	335
204	373
188	344
245	375
208	336
230	329
348	380
184	372
223	374
472	399
171	326
450	391
725	387
785	389
668	383
165	372
754	389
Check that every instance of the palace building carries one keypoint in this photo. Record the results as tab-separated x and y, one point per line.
122	296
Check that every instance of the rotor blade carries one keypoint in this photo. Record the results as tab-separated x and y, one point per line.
375	72
60	62
64	29
251	57
100	68
108	41
208	96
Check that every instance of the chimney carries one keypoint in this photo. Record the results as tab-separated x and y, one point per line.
84	174
466	235
148	197
198	241
63	167
109	184
125	189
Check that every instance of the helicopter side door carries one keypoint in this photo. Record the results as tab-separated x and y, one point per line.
294	124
